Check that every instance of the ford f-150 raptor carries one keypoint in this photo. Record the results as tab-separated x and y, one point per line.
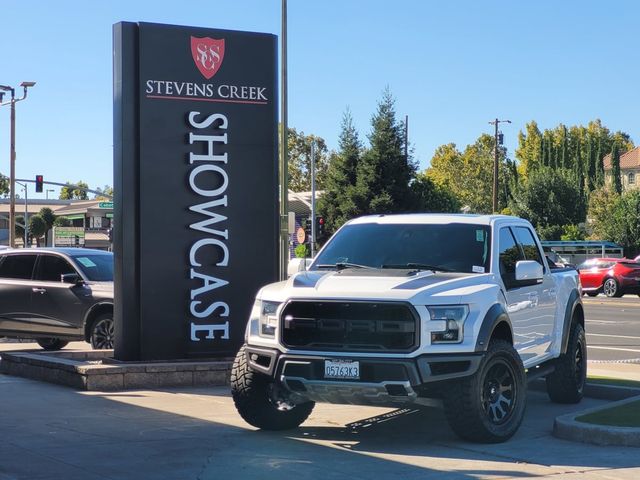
402	309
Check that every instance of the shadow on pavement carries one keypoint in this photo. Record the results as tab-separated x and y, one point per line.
52	432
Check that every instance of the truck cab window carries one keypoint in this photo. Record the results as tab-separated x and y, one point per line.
510	253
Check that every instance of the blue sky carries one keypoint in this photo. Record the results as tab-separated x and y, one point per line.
452	67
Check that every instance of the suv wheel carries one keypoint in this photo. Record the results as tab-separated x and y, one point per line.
259	402
566	383
52	343
611	288
102	332
489	406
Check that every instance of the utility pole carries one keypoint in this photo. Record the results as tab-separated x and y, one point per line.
313	199
284	157
12	156
496	163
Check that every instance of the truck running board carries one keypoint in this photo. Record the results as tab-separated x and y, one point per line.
540	371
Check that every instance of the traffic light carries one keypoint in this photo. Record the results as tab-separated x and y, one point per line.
39	183
307	227
319	227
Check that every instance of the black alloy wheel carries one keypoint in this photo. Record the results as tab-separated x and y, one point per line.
498	392
102	333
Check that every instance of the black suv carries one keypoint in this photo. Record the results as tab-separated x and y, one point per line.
55	295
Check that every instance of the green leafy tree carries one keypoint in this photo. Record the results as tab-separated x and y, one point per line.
469	174
384	172
599	166
602	202
106	193
530	151
621	223
340	200
615	169
299	150
565	148
4	185
579	170
62	222
48	216
591	166
69	193
18	228
572	233
430	197
37	228
549	198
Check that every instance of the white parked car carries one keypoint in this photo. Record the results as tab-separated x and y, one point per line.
405	309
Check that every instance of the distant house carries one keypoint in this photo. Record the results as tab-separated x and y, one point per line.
629	169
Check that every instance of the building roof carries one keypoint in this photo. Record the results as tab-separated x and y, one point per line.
631	159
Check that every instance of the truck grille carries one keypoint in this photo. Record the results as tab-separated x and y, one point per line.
350	326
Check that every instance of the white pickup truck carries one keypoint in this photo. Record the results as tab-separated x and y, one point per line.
412	309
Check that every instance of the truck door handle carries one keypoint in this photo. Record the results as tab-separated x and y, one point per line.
39	290
552	292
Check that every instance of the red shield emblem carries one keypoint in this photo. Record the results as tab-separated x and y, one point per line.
208	54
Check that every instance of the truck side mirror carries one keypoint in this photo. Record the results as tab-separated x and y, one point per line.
528	272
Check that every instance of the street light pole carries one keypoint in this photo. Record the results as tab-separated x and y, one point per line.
496	161
284	157
26	213
12	157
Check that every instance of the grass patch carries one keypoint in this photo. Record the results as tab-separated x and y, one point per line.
618	382
627	415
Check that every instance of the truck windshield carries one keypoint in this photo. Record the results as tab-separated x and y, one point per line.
455	247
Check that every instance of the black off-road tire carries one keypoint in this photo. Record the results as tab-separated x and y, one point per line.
566	383
51	344
102	333
471	405
254	397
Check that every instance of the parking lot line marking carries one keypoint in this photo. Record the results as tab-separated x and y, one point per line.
612	304
612	336
617	349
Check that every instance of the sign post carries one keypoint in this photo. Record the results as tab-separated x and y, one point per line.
195	127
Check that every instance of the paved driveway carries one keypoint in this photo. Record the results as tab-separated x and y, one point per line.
53	432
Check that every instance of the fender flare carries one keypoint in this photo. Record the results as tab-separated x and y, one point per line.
496	315
573	304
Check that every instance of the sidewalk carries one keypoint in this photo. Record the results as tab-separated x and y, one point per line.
622	371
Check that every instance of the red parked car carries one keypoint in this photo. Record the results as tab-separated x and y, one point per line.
612	276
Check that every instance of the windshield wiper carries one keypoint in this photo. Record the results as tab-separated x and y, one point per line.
418	266
343	265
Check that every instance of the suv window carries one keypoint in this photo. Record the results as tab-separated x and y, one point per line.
510	253
528	243
17	266
52	267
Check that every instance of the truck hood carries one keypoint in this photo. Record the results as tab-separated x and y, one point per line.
378	284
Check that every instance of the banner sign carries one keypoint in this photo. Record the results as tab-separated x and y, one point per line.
196	212
68	236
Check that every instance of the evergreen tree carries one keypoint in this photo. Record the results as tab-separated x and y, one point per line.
579	170
384	173
591	167
599	165
615	168
565	148
338	203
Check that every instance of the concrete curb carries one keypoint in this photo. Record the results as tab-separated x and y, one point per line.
567	428
92	370
596	390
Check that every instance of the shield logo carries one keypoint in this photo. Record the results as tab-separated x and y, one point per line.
208	54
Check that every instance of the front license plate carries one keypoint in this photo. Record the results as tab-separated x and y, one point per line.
343	369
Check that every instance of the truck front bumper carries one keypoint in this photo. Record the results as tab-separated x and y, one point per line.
383	381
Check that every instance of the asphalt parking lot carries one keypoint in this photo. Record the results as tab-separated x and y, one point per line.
613	328
51	432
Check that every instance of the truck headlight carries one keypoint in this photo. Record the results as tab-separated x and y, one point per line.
451	322
268	320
